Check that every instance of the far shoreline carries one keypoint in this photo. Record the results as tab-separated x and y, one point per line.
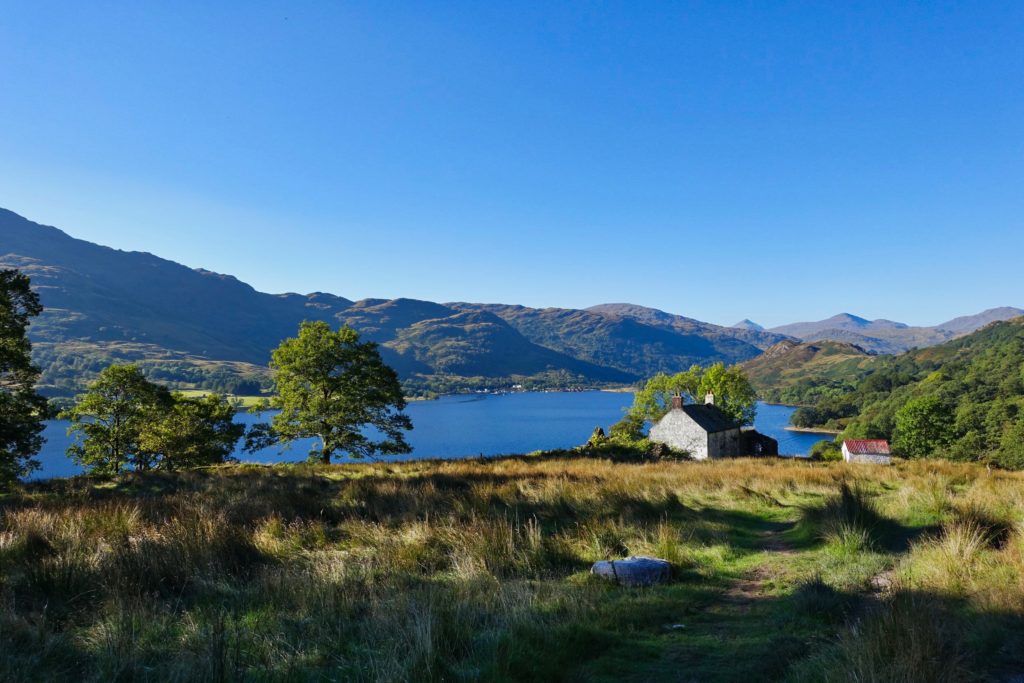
813	430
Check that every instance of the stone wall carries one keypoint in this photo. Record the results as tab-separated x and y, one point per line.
866	458
677	431
680	433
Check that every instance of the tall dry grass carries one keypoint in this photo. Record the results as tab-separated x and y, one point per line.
462	570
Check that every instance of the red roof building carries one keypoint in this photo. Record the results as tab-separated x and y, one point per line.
874	451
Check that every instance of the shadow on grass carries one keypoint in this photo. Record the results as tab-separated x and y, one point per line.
852	510
816	633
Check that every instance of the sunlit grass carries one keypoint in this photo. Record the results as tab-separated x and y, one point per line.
478	570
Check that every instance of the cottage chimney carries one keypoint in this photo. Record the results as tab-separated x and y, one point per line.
677	402
709	399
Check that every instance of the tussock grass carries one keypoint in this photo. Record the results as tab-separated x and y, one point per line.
909	638
477	570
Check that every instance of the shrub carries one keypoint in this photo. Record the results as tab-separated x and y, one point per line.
826	450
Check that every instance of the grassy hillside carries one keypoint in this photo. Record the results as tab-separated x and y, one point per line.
621	342
652	317
477	571
68	366
798	373
200	328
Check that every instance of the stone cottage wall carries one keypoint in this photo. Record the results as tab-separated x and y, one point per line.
677	431
865	458
870	459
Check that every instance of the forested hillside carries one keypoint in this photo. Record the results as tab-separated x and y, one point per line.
963	399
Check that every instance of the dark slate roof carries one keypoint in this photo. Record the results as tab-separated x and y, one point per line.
710	418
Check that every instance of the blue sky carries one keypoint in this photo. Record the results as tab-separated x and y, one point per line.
773	160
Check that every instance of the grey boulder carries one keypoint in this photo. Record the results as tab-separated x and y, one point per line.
634	571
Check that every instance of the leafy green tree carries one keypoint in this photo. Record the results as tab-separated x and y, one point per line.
629	428
733	392
22	409
923	425
1011	447
191	432
108	420
332	387
655	397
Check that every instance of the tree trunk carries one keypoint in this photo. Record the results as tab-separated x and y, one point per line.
325	454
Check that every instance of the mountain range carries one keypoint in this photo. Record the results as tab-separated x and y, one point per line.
195	328
887	336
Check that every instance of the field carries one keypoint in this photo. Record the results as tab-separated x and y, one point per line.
478	570
244	402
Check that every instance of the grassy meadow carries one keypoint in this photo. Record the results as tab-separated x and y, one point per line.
244	402
478	570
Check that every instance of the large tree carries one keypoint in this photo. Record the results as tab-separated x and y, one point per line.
191	432
923	426
332	387
22	409
108	420
732	391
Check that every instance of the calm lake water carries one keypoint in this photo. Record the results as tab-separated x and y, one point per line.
474	425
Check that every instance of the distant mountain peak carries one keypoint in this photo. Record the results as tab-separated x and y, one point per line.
748	324
888	336
969	323
850	318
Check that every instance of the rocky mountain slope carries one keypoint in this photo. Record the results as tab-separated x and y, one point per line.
192	327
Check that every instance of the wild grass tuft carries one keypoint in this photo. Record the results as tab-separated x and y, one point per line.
909	637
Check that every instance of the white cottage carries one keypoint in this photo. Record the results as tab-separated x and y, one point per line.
703	431
875	451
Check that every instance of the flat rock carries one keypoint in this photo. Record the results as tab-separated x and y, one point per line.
634	571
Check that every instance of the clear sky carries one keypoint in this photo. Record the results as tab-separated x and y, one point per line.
774	160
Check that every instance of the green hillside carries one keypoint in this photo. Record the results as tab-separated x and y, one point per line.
69	365
195	329
619	341
801	373
969	394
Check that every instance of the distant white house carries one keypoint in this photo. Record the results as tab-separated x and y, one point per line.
875	451
704	431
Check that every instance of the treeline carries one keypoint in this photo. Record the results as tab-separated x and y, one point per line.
124	421
962	400
808	392
327	385
431	386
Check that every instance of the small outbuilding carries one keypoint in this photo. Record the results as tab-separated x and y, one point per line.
704	431
873	451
